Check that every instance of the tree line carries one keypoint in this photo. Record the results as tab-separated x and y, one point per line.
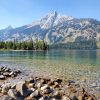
24	45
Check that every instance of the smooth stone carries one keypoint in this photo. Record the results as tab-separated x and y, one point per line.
42	98
11	73
94	85
13	93
7	98
32	89
31	85
7	70
47	91
21	88
5	88
44	87
53	99
65	98
80	98
2	77
57	95
3	68
13	86
45	98
43	81
6	74
35	94
38	85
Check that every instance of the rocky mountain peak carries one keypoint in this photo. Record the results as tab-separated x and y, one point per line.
55	28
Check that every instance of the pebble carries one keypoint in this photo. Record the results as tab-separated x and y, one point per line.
6	72
43	89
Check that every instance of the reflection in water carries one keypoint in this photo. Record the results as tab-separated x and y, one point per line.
78	56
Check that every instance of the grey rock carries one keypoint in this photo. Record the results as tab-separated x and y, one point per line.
21	88
32	89
44	87
42	98
13	93
36	93
38	85
11	73
45	98
65	98
7	98
6	74
2	77
47	91
5	88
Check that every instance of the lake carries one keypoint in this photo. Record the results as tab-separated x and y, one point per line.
76	64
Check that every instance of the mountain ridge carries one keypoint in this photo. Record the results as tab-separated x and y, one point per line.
55	29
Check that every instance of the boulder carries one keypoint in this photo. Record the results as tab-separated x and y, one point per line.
22	89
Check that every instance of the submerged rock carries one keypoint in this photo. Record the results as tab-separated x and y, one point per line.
5	88
7	72
2	77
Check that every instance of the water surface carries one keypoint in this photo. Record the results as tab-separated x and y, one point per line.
61	63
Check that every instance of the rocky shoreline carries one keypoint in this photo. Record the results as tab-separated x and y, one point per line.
40	88
7	72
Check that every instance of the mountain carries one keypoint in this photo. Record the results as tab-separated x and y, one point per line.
58	31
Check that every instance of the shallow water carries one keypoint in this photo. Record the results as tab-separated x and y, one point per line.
76	64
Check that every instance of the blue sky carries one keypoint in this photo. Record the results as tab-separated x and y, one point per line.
20	12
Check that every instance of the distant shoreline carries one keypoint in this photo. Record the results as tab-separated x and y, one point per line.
20	50
45	50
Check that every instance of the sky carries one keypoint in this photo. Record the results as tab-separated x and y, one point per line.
21	12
